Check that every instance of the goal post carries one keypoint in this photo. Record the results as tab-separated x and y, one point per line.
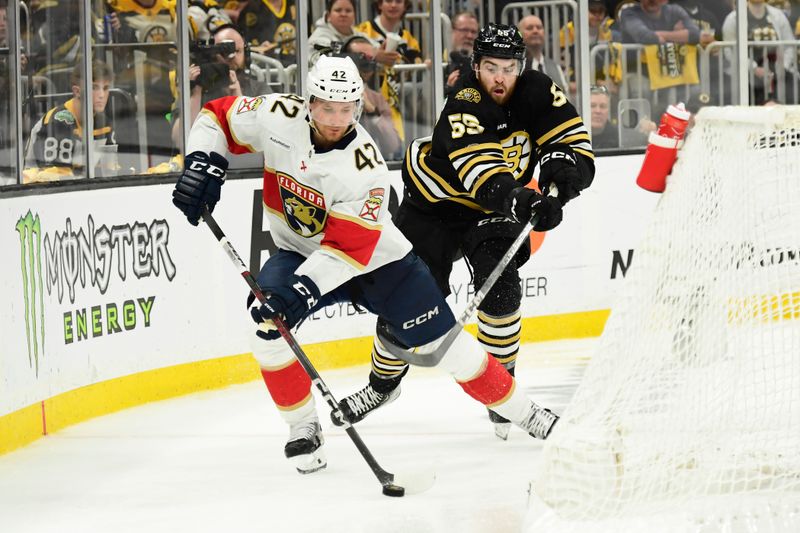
688	416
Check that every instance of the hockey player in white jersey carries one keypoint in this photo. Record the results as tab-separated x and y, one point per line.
325	186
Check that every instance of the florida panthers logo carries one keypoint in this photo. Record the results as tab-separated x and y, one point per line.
303	207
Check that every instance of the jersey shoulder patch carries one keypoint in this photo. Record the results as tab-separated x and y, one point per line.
469	94
64	116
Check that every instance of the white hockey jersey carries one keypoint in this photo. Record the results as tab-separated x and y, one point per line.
330	206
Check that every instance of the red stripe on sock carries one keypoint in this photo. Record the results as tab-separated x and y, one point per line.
491	386
288	386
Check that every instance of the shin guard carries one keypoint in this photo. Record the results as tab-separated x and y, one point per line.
492	385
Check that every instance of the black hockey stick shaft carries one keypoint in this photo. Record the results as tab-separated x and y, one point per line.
385	478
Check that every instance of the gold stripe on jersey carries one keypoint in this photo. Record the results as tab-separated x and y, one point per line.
473	161
558	129
584	152
343	256
213	117
486	175
575	137
431	185
355	220
475	147
429	172
474	171
230	127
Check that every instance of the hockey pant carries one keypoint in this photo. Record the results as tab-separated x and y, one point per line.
403	295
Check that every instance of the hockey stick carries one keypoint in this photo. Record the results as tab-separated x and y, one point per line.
433	358
386	479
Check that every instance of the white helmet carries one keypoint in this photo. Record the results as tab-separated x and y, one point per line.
335	79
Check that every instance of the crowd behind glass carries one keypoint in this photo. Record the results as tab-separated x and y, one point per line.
642	56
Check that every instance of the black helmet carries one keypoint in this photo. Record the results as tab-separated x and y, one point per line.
498	40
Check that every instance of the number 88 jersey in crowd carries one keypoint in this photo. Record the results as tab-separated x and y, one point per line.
329	205
55	148
475	139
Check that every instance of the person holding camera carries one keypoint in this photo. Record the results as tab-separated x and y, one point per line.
377	115
218	69
465	29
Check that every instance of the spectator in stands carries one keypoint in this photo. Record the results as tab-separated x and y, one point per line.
766	23
604	132
532	30
142	21
607	73
55	26
270	27
389	30
657	22
206	17
224	71
703	17
669	64
55	150
390	20
335	26
377	115
465	28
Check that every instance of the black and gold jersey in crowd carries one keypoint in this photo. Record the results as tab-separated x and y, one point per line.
56	139
153	24
259	22
476	139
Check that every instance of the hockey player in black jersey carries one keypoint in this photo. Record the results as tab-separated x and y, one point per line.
465	194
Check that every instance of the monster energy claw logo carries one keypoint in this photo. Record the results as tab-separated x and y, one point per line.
30	242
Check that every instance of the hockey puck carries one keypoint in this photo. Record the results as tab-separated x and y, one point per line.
395	491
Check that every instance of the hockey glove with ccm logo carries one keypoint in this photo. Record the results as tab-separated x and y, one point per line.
559	165
292	301
200	184
523	203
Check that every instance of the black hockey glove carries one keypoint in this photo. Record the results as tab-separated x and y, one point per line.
200	184
523	203
559	164
292	301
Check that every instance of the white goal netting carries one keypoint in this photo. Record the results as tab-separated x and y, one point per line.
688	417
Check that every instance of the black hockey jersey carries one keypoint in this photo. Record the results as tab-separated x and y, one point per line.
259	22
476	139
56	140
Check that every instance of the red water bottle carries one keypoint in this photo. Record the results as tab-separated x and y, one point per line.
662	149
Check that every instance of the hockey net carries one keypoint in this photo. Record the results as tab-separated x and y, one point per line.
688	416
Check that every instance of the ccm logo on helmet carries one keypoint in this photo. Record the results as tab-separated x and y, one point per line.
424	317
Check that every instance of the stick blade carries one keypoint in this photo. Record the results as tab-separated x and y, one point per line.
415	481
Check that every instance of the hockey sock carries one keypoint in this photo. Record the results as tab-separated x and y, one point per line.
290	388
499	336
492	386
387	370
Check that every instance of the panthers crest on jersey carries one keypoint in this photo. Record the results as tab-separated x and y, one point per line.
475	139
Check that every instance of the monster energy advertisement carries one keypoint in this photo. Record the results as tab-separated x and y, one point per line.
78	262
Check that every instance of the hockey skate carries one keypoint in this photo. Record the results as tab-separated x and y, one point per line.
358	405
538	422
304	447
502	426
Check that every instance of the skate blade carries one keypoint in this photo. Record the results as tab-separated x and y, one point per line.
309	463
502	430
415	481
